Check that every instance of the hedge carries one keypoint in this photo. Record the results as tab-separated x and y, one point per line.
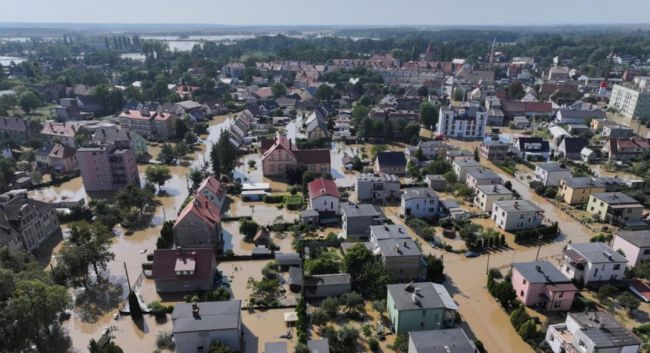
532	235
273	199
293	202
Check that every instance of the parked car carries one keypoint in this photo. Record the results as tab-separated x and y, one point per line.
471	254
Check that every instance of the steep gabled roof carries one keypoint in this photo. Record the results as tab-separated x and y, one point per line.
321	187
202	208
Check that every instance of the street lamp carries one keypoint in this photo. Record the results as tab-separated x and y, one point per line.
539	247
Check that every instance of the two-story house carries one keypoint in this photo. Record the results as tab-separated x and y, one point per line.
550	174
593	262
419	202
377	187
357	219
481	176
616	208
577	190
542	285
402	258
324	196
634	244
390	163
462	165
486	195
183	270
512	215
199	225
213	190
419	306
591	332
197	325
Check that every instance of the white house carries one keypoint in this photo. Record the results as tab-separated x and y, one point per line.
323	195
197	326
593	262
466	123
550	174
462	165
517	214
419	202
591	332
486	195
482	176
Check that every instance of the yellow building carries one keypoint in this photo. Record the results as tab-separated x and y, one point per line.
577	190
615	208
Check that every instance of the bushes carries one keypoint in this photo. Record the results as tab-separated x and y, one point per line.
273	199
293	202
532	235
421	228
164	341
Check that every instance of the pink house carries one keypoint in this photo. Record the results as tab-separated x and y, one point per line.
634	244
541	284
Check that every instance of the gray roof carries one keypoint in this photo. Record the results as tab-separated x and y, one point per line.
389	231
360	210
453	340
483	173
518	206
398	247
583	182
435	177
431	296
604	330
598	252
329	279
615	198
418	193
552	167
275	347
319	346
287	258
540	272
640	238
494	189
378	177
448	204
212	316
466	162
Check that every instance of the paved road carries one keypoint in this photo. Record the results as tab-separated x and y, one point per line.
467	277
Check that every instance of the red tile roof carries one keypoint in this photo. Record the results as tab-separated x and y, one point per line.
203	209
321	187
60	129
61	151
530	107
312	156
167	261
211	183
137	114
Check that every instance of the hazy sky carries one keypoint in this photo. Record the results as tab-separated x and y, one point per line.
338	12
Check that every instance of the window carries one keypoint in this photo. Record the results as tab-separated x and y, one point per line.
557	304
521	293
617	266
524	281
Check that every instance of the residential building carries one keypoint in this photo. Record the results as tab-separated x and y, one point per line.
616	208
539	284
624	149
635	246
579	130
486	195
570	147
324	196
631	101
197	325
275	347
149	124
318	346
593	262
576	190
317	129
390	163
377	187
402	258
532	148
463	165
25	223
14	129
64	133
419	306
430	149
235	70
521	122
588	155
419	202
570	116
617	132
531	110
183	270
213	190
107	167
357	219
113	135
199	225
551	173
283	155
59	158
319	286
558	73
466	123
494	151
591	332
482	176
452	340
437	182
513	215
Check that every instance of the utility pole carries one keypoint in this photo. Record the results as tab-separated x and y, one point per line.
128	281
487	265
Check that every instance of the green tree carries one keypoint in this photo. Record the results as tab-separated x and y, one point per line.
367	272
104	345
331	307
605	293
528	330
167	153
327	262
629	301
401	344
30	101
435	269
7	169
516	90
429	114
166	238
324	93
227	154
215	162
319	317
519	317
158	175
196	176
278	90
181	128
248	228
